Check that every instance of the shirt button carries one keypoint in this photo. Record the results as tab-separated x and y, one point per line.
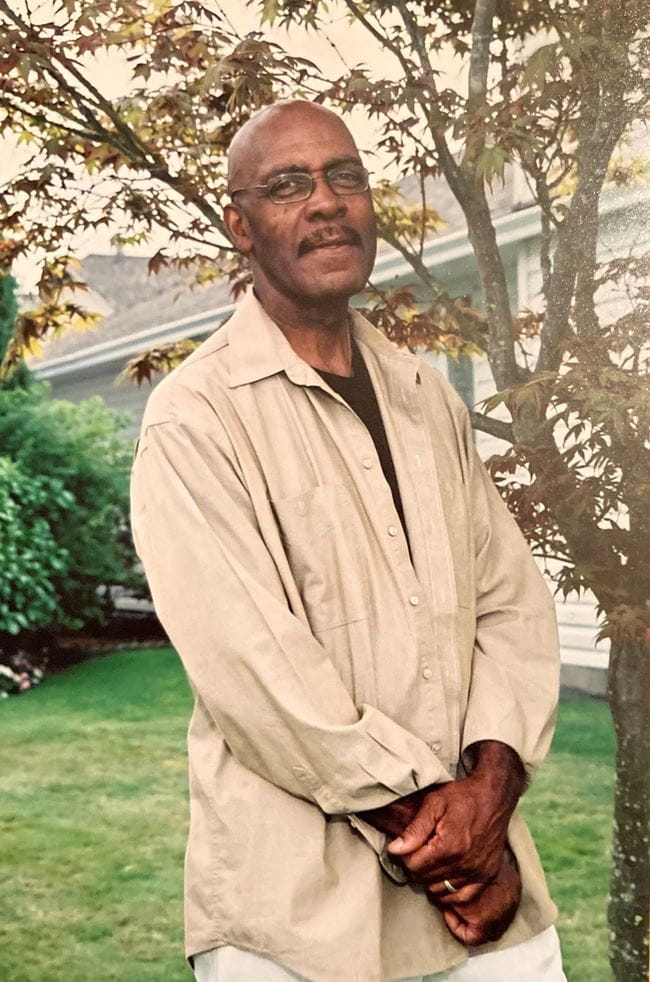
367	463
435	747
414	600
427	673
392	530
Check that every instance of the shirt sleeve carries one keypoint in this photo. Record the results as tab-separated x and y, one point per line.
263	677
516	662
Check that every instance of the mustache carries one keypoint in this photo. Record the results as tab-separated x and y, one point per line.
330	233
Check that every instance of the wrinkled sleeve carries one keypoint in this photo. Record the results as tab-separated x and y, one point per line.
268	684
516	661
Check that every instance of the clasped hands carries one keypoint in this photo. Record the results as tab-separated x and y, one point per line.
457	832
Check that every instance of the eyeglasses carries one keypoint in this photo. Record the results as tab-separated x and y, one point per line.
293	186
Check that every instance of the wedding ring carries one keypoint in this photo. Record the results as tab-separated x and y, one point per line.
449	886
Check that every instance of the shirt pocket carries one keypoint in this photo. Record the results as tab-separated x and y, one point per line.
323	539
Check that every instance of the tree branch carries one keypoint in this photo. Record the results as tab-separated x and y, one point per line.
449	166
423	204
420	268
412	258
40	119
479	61
545	240
473	202
578	233
495	427
383	39
130	145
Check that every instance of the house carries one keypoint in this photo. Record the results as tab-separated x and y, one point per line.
143	311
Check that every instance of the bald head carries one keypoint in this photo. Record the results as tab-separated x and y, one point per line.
250	146
313	251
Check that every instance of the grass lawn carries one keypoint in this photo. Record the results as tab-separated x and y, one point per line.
93	823
569	811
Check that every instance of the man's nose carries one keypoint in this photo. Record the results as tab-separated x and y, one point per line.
323	201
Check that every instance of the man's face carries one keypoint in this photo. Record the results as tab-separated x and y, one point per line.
315	249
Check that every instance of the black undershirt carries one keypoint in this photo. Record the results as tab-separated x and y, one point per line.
359	394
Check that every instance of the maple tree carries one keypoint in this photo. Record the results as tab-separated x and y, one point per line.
573	400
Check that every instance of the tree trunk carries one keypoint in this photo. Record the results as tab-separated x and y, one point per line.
629	903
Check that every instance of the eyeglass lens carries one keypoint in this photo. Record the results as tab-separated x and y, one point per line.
298	185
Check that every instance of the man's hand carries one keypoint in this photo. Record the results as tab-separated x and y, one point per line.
459	832
393	819
486	918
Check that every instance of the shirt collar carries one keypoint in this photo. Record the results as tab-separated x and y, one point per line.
258	348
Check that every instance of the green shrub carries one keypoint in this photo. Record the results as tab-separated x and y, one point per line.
65	485
31	557
8	310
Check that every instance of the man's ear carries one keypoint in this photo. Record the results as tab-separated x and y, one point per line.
238	229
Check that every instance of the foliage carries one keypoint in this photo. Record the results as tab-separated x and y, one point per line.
91	161
21	375
8	311
585	501
162	358
64	533
557	106
32	559
552	88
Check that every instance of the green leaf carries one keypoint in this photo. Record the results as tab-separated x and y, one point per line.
270	11
491	163
539	65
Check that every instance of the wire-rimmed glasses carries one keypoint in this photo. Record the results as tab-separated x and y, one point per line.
297	185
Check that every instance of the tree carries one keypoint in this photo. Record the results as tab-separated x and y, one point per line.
572	387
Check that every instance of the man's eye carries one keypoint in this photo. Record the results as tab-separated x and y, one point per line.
286	186
347	177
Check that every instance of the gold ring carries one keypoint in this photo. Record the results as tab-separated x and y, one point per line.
449	886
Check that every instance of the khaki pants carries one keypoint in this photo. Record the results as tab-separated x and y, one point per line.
537	960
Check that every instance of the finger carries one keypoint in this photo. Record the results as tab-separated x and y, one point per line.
435	860
464	894
419	830
440	888
458	927
467	934
453	920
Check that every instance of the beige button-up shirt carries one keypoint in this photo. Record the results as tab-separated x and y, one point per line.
331	673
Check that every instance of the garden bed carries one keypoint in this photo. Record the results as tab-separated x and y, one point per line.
125	630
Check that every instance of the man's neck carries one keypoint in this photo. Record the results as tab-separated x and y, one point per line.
319	335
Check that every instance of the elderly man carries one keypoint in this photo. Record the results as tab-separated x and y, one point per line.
372	650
